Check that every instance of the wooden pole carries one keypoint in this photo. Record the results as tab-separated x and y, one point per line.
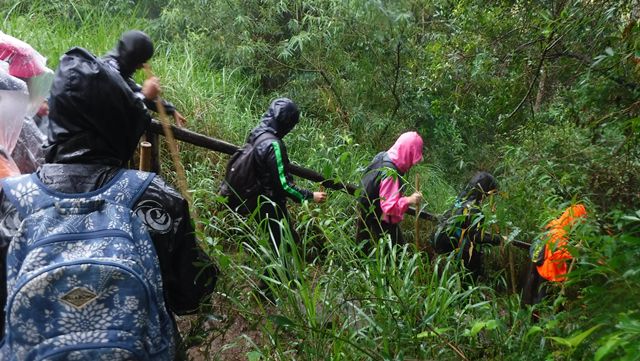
417	219
512	271
145	156
173	149
218	145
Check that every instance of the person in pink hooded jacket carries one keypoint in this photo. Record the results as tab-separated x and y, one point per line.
382	204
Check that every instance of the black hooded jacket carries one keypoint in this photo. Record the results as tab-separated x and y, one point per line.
95	124
95	117
271	158
459	228
132	50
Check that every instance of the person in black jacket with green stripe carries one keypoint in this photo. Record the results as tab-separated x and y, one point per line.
272	168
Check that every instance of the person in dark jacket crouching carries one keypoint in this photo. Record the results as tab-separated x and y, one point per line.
272	168
461	230
95	124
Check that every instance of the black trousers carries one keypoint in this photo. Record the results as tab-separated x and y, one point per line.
471	256
535	287
370	228
271	216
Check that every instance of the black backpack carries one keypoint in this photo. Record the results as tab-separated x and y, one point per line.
241	185
380	166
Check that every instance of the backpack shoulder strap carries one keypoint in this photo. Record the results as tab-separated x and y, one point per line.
375	163
388	163
127	187
27	193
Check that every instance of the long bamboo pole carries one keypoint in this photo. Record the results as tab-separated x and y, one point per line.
173	149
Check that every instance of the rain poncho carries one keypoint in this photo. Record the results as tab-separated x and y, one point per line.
272	167
14	99
27	64
272	161
24	83
133	49
29	153
93	115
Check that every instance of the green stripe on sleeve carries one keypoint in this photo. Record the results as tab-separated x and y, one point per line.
281	175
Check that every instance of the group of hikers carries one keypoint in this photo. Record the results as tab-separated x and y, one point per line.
96	259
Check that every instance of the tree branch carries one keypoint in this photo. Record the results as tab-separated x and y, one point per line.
341	108
551	45
394	88
584	60
533	82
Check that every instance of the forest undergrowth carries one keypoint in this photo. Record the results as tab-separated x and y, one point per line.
542	94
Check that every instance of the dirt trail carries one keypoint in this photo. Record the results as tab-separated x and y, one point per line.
226	334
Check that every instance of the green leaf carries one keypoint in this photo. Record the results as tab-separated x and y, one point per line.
561	341
631	218
575	341
612	343
491	324
254	356
223	261
430	333
327	170
532	331
478	326
281	320
609	51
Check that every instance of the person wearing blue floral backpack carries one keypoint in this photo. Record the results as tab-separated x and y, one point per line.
98	258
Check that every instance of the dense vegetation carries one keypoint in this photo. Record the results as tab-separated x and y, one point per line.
543	94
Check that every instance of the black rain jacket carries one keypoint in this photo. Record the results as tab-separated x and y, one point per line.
95	123
271	158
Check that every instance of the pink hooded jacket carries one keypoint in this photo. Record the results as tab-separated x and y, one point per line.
405	153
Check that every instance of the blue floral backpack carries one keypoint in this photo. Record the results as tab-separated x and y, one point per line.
83	277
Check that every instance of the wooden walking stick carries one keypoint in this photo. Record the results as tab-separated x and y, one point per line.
145	156
173	149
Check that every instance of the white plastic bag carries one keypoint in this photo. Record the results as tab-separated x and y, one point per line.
14	100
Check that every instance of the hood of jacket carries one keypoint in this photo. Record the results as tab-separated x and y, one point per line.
132	50
407	151
478	187
279	119
94	117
